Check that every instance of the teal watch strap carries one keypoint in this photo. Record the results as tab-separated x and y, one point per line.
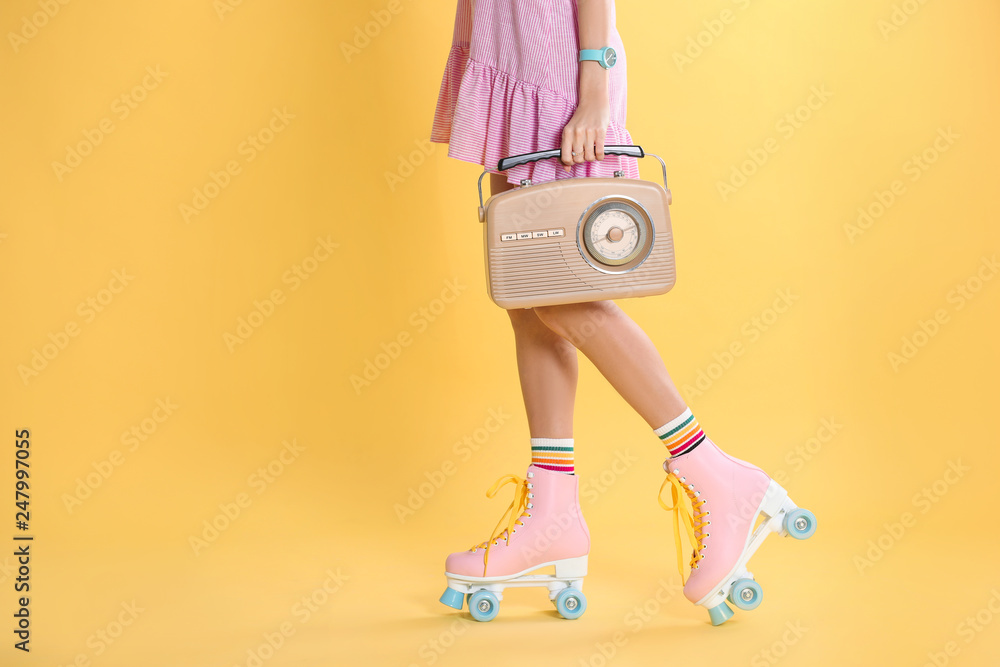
606	56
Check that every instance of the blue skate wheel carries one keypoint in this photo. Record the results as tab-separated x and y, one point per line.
571	603
800	523
720	613
746	594
452	598
484	606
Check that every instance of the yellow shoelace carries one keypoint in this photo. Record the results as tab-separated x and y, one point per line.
515	511
693	518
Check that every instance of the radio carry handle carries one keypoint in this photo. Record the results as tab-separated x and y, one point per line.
614	149
515	160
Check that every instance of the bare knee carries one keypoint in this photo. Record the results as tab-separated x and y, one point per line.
575	321
521	318
529	326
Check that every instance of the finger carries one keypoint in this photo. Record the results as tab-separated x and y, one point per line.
566	148
599	145
588	146
577	138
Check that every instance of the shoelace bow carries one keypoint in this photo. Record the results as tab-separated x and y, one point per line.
515	512
693	518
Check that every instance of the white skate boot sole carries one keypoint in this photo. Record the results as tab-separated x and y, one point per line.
483	594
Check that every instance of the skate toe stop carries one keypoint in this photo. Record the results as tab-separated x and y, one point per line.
452	598
720	614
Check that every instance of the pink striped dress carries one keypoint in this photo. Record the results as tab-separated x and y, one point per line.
510	85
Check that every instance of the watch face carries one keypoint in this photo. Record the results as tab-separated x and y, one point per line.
610	57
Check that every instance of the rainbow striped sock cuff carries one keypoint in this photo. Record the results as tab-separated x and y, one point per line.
553	454
681	434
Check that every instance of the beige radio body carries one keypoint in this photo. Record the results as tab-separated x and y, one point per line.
578	239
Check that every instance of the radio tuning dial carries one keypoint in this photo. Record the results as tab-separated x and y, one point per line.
616	234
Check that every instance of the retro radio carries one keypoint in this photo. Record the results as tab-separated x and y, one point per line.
577	239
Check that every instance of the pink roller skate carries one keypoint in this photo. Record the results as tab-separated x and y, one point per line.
726	497
543	526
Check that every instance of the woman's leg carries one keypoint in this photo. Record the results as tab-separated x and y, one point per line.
622	352
546	365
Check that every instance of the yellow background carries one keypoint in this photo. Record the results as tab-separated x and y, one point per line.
329	518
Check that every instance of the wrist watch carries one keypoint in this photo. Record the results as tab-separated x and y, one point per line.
606	56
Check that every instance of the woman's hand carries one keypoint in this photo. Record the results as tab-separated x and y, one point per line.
585	131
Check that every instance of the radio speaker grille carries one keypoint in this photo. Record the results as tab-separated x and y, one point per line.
535	269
